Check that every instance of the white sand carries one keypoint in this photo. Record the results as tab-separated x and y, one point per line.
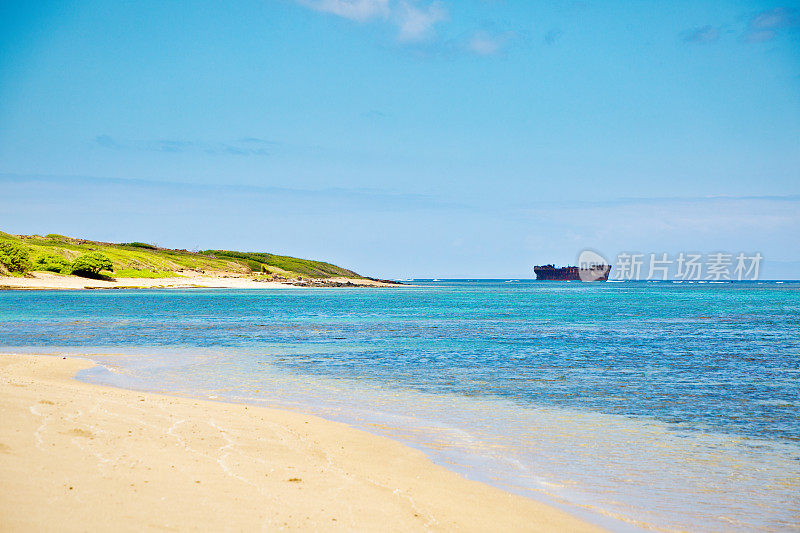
79	457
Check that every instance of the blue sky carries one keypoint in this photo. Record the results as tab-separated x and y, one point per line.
406	138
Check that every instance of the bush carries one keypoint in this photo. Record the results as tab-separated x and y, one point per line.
254	266
14	257
52	263
140	245
89	265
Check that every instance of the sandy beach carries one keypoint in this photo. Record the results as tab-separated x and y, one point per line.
80	457
187	280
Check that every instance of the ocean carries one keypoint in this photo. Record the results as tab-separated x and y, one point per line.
638	405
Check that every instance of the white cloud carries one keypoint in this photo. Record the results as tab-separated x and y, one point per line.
765	26
705	224
484	44
360	10
702	35
780	17
416	23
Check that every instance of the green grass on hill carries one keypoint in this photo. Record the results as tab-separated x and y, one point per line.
153	274
271	263
138	259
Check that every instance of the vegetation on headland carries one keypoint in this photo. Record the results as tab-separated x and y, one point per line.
269	263
15	259
58	253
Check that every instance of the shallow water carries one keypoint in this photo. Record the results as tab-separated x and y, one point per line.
665	405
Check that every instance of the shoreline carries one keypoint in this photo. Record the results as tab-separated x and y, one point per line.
93	457
186	280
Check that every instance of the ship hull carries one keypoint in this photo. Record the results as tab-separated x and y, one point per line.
571	273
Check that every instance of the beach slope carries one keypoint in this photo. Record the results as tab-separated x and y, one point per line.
80	457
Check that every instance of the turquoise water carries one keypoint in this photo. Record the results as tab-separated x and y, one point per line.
663	405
